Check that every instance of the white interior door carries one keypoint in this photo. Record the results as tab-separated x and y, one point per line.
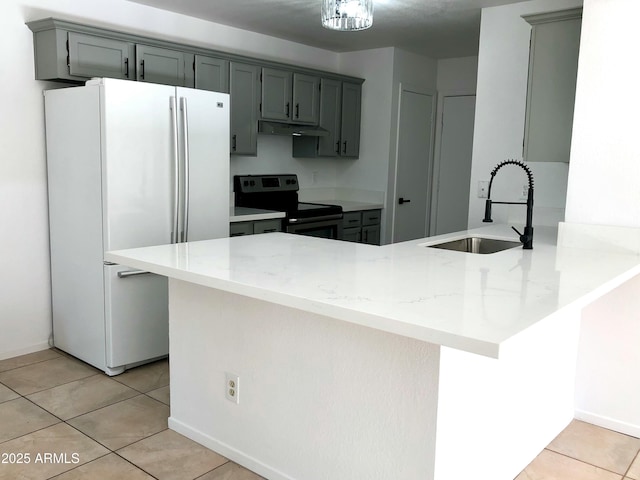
453	166
137	164
414	164
204	123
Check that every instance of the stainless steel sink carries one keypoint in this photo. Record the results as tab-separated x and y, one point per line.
476	245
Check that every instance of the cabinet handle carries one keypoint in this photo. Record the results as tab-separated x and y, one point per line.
297	110
234	141
338	146
126	67
344	147
287	109
403	200
142	69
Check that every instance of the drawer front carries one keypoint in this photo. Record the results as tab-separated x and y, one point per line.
352	219
238	229
371	217
266	226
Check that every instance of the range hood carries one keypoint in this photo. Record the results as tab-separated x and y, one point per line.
290	129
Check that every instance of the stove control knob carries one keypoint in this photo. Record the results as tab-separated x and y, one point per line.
246	183
293	181
252	183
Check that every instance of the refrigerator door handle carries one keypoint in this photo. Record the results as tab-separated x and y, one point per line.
185	129
176	172
132	273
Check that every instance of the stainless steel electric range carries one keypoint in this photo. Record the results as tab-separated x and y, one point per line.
280	192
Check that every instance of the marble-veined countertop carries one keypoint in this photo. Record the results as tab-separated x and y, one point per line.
464	301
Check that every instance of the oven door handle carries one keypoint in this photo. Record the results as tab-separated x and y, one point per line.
336	216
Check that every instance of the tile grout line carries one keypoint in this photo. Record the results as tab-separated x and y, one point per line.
626	473
591	464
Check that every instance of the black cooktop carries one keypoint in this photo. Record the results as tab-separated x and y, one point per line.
278	192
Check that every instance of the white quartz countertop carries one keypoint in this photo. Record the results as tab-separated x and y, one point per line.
243	214
465	301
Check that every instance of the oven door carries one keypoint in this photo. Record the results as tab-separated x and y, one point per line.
322	228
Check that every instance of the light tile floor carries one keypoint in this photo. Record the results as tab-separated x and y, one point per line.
116	428
72	422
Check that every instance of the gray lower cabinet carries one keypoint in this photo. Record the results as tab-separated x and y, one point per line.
362	226
163	65
243	90
238	229
211	74
339	113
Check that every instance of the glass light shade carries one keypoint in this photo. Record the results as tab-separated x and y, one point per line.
347	14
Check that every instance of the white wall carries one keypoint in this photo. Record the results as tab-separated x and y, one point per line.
500	112
604	175
457	75
605	166
25	316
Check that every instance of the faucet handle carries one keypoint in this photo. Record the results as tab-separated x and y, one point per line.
520	235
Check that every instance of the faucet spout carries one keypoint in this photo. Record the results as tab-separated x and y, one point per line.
526	237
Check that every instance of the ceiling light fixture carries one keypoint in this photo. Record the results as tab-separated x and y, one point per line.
347	14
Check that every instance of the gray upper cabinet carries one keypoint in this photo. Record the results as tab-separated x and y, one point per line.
244	108
330	117
93	56
551	89
306	98
211	74
339	113
163	65
350	127
259	89
276	98
289	97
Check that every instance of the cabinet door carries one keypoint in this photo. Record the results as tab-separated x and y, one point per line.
211	74
350	129
371	235
93	56
306	98
244	109
330	110
553	70
162	65
352	234
276	95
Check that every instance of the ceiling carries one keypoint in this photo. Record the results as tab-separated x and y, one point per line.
435	28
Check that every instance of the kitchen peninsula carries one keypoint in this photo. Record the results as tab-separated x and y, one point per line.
399	362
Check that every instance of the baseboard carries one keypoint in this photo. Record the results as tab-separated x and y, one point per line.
609	423
227	451
24	351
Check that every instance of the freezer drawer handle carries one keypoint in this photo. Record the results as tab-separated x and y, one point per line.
132	273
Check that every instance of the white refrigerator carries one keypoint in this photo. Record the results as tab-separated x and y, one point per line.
129	164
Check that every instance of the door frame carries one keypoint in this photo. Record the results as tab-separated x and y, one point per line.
422	91
438	149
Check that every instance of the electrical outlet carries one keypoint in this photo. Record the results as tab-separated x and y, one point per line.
232	387
525	191
314	177
483	189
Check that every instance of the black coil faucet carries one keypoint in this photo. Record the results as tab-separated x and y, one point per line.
527	236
